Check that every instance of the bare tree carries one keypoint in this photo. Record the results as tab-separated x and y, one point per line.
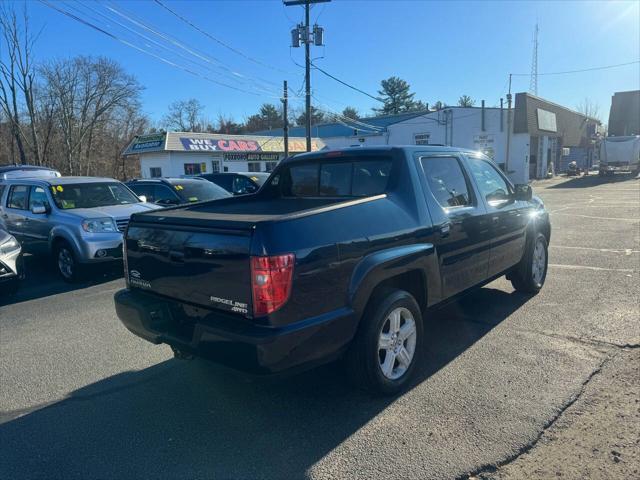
88	92
589	108
11	63
185	116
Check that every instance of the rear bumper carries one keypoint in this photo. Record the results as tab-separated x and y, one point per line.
233	341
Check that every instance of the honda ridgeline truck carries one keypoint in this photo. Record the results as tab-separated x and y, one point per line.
340	253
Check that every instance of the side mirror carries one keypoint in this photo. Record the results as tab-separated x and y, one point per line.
143	198
39	209
523	192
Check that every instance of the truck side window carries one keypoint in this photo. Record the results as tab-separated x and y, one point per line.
492	186
18	197
447	181
38	197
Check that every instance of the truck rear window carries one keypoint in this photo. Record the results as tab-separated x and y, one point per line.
336	179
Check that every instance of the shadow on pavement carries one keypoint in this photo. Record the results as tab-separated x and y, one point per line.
594	180
197	420
42	280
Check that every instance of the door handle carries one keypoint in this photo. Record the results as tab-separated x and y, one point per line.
445	230
495	219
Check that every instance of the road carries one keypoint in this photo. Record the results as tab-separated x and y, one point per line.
81	397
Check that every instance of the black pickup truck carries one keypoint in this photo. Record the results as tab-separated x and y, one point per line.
340	253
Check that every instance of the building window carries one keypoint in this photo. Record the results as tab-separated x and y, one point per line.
421	138
270	166
215	166
254	166
191	168
155	172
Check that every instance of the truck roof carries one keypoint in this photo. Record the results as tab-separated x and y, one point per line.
377	149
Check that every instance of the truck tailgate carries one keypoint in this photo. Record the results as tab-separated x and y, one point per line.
201	266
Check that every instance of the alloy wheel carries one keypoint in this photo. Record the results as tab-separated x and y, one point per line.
397	343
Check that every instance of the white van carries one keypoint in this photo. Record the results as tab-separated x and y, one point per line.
620	154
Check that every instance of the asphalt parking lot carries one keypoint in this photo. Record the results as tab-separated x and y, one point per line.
81	397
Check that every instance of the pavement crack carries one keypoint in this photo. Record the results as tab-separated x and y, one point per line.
491	468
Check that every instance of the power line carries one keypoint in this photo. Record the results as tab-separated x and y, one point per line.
345	83
605	67
218	41
152	54
192	51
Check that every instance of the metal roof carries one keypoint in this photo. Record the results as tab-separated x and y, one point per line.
347	128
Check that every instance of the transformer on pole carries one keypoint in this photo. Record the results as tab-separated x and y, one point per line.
302	33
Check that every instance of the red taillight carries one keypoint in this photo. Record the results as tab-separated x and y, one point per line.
271	279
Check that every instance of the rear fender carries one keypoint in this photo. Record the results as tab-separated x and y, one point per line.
385	264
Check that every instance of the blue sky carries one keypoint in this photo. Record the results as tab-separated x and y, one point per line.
443	49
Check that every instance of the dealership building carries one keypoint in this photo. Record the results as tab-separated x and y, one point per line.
541	136
171	154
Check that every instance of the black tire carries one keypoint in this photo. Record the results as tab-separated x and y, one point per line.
364	355
71	272
523	278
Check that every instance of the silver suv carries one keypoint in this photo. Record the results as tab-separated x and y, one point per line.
78	220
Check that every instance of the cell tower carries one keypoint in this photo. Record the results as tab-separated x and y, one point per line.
533	85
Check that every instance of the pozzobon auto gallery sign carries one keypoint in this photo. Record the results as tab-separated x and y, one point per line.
274	144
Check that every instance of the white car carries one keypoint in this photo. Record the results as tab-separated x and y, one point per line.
11	268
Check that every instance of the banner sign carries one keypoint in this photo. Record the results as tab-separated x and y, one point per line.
274	144
148	142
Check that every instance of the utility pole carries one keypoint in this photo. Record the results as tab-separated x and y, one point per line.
302	33
506	160
285	120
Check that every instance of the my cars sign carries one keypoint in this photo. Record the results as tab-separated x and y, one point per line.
219	144
248	145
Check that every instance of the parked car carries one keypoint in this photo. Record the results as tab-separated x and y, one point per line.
26	171
176	191
240	183
78	220
339	253
11	266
